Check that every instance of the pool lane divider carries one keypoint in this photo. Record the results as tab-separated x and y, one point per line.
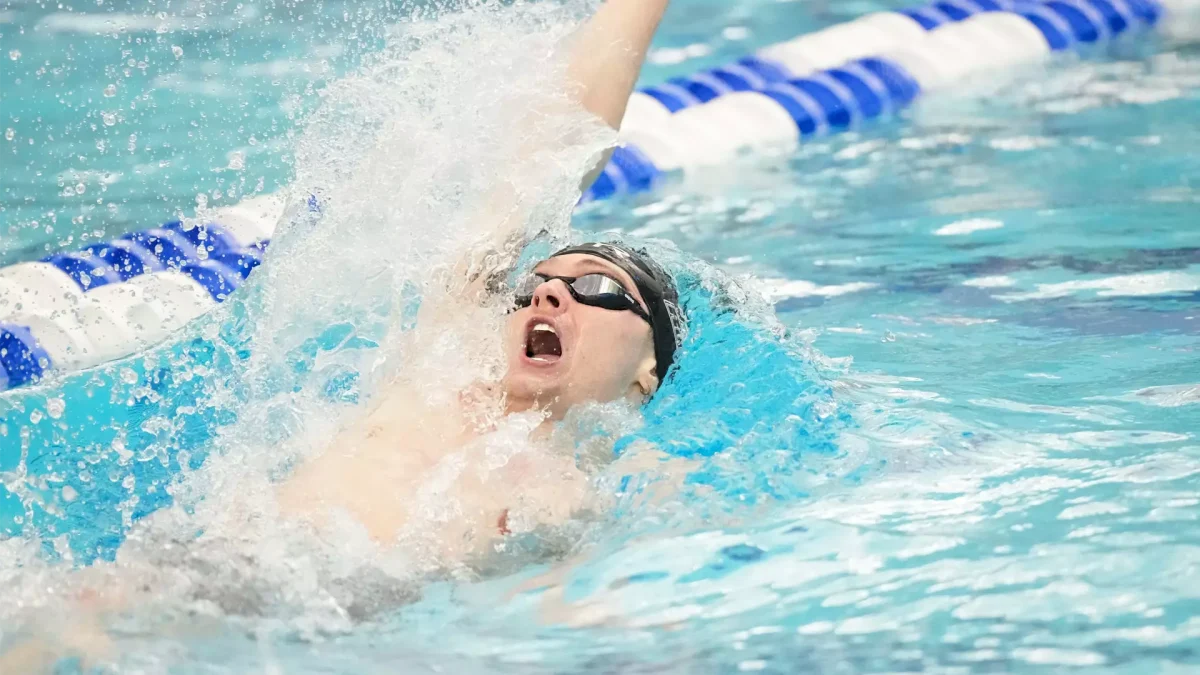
77	310
840	77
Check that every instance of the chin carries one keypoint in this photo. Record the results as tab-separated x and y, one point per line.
529	389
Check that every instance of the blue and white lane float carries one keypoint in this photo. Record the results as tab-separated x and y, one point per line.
77	310
837	78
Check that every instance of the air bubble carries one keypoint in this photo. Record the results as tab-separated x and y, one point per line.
9	134
177	51
80	188
109	118
110	91
69	494
36	416
14	54
128	376
55	407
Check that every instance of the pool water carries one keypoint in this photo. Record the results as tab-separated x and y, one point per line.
968	446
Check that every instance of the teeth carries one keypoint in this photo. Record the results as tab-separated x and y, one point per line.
545	327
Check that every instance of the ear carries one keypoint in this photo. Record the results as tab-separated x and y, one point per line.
647	376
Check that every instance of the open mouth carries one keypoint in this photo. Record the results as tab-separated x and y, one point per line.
542	343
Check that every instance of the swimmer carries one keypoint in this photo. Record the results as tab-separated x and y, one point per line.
592	323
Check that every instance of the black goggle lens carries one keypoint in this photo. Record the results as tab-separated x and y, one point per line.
595	290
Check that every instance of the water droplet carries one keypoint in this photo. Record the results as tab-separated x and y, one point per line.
14	54
177	51
110	91
69	494
124	454
9	134
55	407
109	118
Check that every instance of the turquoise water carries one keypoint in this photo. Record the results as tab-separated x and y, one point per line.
968	446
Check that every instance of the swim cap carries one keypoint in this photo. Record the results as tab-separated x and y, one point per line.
656	288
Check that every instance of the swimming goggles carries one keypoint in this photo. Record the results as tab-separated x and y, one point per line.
593	290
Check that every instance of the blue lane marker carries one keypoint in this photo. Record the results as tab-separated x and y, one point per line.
1148	11
768	70
243	261
1081	26
837	112
602	188
170	247
1117	22
928	18
85	269
902	87
731	79
638	170
800	114
127	258
868	101
670	102
217	279
22	358
210	236
703	91
954	11
1057	39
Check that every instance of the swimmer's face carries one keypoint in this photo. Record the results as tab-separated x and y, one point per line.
562	352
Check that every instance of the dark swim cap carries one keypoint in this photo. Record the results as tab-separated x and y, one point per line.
656	288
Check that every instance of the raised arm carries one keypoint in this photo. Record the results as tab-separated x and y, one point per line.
605	57
608	53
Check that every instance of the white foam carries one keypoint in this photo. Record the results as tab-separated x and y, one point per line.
998	281
1128	285
968	226
782	289
1167	396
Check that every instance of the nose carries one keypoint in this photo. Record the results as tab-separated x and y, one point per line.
551	296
